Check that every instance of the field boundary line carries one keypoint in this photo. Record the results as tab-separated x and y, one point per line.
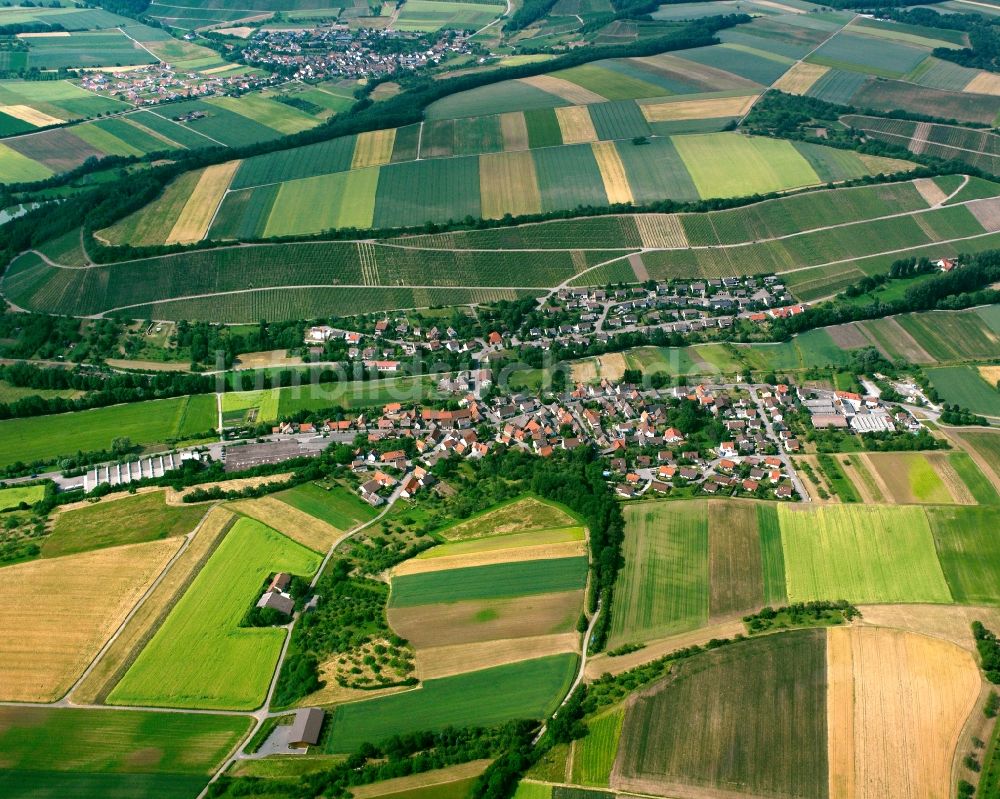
263	712
837	32
392	243
174	122
505	12
539	289
135	41
161	617
915	138
65	699
542	290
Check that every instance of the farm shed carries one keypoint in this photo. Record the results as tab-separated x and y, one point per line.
306	727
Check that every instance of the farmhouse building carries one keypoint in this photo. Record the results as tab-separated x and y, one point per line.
275	600
306	727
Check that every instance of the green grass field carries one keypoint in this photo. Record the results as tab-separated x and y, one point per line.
117	521
750	717
861	554
663	587
17	168
978	484
594	755
200	657
342	199
952	336
13	497
925	483
45	438
95	754
497	581
840	482
529	689
729	165
772	555
986	444
969	551
735	554
337	506
964	386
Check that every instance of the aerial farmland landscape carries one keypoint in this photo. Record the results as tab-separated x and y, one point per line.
502	399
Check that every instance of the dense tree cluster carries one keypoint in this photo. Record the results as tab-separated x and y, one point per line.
102	388
350	613
989	651
964	287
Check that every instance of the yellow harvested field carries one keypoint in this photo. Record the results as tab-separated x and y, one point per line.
514	129
712	108
575	124
603	663
889	166
984	83
195	218
266	359
956	486
468	622
840	712
779	7
241	32
800	78
566	549
584	371
154	610
428	779
564	89
947	622
555	535
508	184
373	148
220	69
900	718
610	367
46	35
298	525
991	374
520	516
333	693
616	184
930	191
445	661
661	230
30	115
58	613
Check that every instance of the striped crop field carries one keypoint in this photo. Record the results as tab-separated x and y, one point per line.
824	240
28	155
356	183
719	68
831	553
201	656
977	148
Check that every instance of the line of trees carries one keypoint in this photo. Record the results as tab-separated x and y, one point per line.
102	388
